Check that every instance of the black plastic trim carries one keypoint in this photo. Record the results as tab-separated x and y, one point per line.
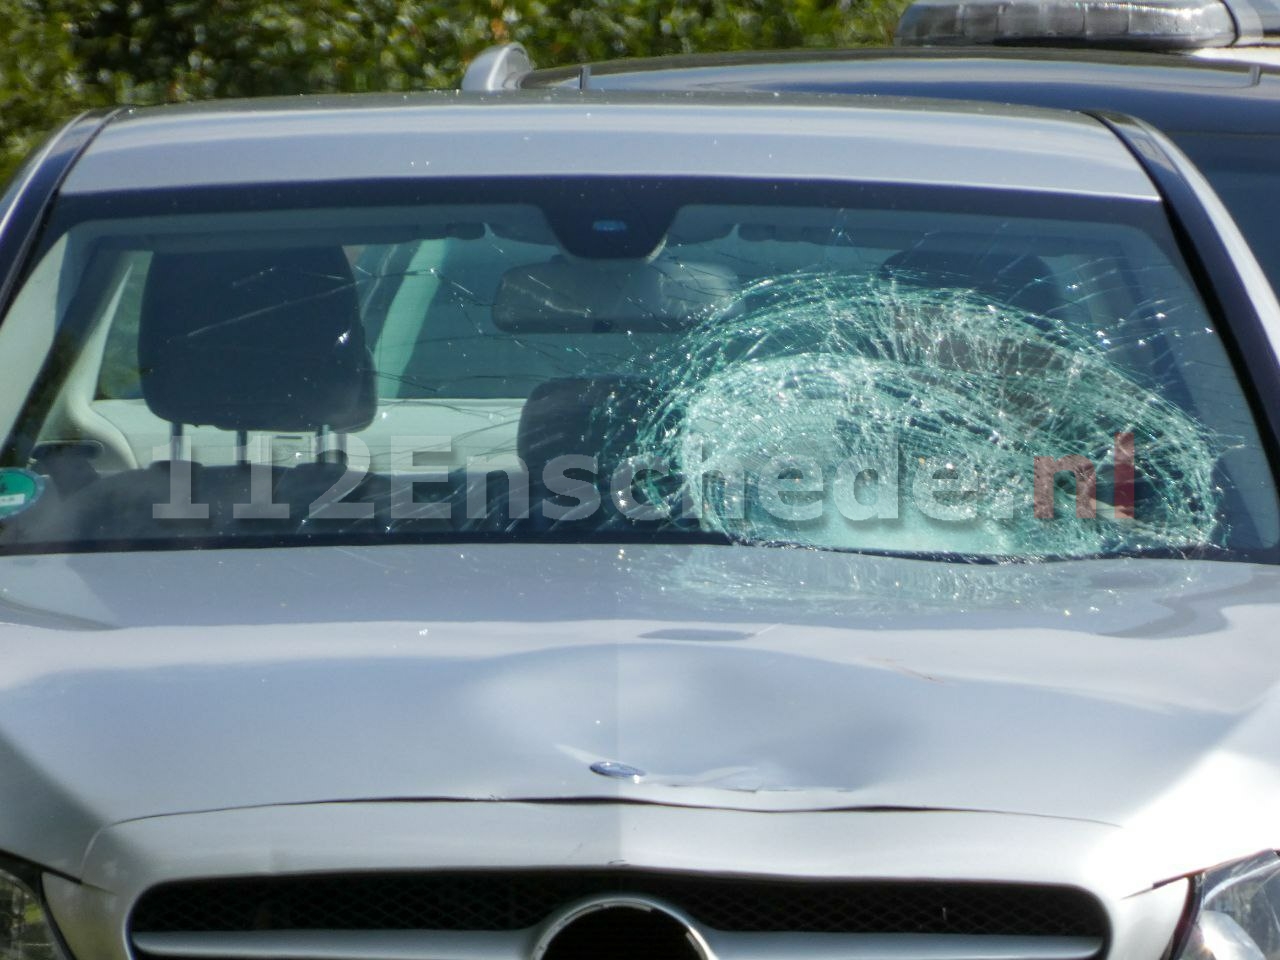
1186	923
521	898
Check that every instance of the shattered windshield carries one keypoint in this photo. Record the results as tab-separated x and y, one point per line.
924	370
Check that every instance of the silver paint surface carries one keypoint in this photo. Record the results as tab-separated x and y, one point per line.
1130	693
550	133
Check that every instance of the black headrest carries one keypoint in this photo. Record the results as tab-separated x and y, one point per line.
586	416
255	340
1017	279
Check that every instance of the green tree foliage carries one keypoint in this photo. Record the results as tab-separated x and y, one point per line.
63	56
41	83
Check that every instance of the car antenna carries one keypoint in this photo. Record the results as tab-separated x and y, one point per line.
498	68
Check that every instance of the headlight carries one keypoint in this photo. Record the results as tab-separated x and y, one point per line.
1237	916
25	933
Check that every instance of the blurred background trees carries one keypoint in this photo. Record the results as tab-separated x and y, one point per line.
58	57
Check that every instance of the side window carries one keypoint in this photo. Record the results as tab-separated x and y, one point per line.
406	316
118	378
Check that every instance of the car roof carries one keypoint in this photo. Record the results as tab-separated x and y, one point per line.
1176	92
421	136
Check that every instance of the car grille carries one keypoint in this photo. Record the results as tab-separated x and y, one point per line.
186	919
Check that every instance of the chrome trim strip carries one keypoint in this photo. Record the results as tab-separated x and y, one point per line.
340	944
897	946
516	945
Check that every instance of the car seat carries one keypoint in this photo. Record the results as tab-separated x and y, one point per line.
245	340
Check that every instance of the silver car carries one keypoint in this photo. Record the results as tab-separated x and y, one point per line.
566	525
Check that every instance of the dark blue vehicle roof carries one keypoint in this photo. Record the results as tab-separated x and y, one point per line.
1174	92
1224	114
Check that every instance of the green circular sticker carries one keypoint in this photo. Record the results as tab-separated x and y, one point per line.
19	489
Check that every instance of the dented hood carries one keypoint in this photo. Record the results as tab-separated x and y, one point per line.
752	678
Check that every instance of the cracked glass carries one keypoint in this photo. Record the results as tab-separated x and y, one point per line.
925	370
